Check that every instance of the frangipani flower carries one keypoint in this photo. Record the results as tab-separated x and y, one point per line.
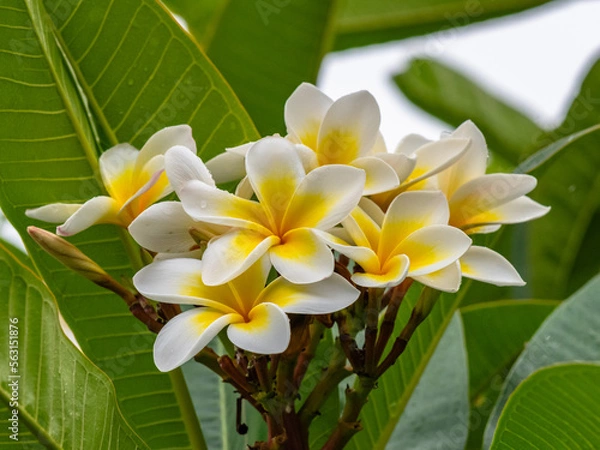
480	203
255	316
427	158
165	227
345	131
412	239
292	205
133	179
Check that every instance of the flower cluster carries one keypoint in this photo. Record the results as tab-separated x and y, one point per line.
328	190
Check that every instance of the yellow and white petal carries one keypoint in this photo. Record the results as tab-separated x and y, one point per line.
472	163
304	111
117	169
186	334
164	227
434	157
403	165
209	204
372	209
163	140
433	248
275	172
302	257
182	166
409	144
363	256
483	264
96	210
365	232
483	229
519	210
409	212
229	255
447	279
179	281
160	189
485	193
226	167
349	129
380	176
153	190
324	297
325	197
392	274
266	332
248	286
53	213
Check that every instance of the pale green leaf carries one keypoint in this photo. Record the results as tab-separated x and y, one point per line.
438	411
63	400
566	402
571	333
265	49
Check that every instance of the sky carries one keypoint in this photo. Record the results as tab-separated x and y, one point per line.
534	60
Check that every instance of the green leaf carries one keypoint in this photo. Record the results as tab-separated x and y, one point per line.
266	48
454	98
201	17
387	403
438	411
63	400
570	184
569	334
566	401
121	70
495	334
364	23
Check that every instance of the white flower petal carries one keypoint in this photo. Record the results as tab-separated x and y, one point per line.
379	147
304	111
433	248
349	129
53	213
226	167
476	198
327	296
164	227
244	189
325	197
182	166
380	176
483	264
186	334
275	171
163	140
519	210
402	164
266	332
229	255
209	204
117	169
410	143
409	212
94	211
302	257
372	209
179	281
194	254
363	256
307	156
392	274
447	279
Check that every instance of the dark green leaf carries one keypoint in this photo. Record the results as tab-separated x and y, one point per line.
266	48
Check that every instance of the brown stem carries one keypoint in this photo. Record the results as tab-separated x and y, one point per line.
389	319
262	373
348	343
